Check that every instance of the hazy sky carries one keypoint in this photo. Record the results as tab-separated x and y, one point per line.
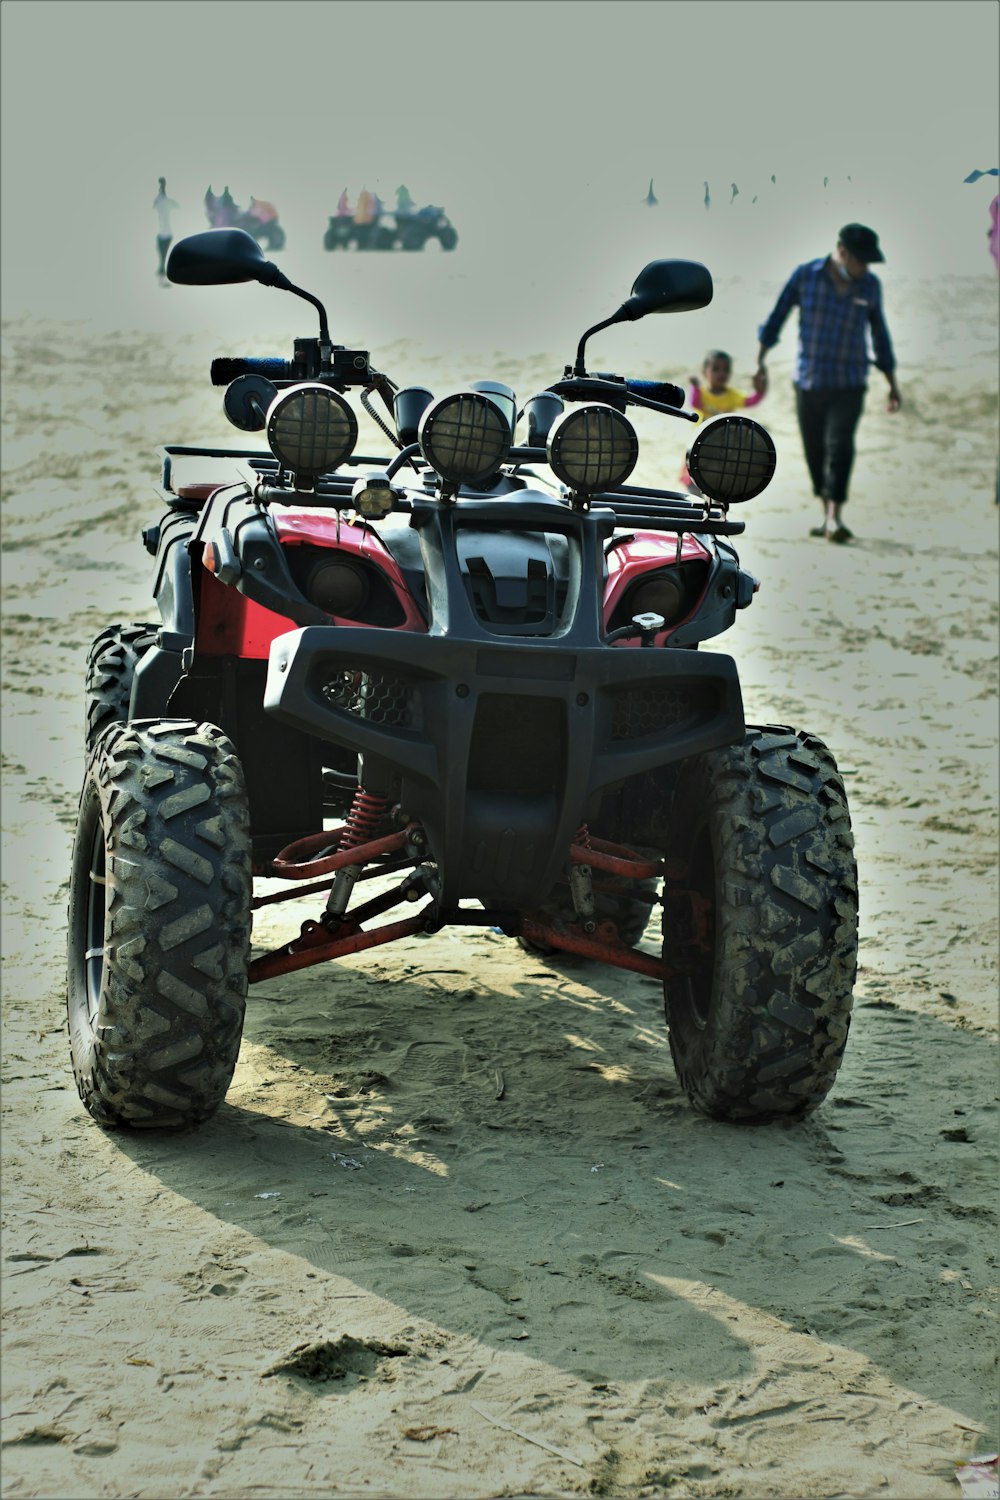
525	118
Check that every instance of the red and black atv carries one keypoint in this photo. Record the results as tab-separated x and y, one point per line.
479	687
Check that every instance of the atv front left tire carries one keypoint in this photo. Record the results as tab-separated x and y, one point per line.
159	924
762	934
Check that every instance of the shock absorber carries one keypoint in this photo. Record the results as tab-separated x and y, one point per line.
581	884
367	810
361	826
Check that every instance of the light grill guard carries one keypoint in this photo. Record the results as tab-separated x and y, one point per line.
311	429
465	438
592	448
731	459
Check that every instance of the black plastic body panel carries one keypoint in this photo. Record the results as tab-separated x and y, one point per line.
502	747
283	766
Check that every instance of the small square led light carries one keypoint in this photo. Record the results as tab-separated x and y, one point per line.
373	496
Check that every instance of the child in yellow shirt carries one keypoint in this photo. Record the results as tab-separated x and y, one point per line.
712	394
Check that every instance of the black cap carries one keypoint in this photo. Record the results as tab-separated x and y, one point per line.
861	242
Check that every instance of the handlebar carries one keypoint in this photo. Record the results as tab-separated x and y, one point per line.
657	390
658	395
227	369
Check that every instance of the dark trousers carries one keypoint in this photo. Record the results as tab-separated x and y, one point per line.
827	420
163	245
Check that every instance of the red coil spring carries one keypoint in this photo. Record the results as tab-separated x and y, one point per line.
363	819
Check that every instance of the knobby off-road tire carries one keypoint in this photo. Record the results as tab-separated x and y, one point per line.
159	924
111	663
759	1022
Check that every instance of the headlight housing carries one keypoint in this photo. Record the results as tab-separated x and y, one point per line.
661	593
592	448
465	438
310	429
732	458
338	585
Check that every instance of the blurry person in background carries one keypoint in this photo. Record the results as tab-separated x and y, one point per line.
710	394
364	218
993	232
163	206
840	303
364	213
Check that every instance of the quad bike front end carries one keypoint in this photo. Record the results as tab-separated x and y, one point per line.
439	690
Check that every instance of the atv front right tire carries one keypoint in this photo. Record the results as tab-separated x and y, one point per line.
762	934
159	924
111	663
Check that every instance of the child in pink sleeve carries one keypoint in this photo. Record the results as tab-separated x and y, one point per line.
711	394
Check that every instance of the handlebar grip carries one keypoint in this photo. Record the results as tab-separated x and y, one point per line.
226	369
658	390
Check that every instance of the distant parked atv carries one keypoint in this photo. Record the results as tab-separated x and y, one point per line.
391	232
469	668
267	231
260	219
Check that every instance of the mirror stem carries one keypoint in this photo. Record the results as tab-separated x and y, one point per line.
579	368
270	275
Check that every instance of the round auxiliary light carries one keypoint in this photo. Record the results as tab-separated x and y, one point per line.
732	458
311	429
592	448
465	437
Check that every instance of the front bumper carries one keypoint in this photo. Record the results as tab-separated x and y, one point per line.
500	750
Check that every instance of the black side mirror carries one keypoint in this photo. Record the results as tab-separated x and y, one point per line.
667	286
218	257
662	286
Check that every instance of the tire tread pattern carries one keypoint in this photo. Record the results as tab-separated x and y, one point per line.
111	663
162	1047
786	915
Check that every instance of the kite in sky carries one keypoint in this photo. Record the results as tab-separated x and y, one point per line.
708	201
651	199
975	175
735	192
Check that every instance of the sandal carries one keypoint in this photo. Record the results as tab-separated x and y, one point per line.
841	534
818	530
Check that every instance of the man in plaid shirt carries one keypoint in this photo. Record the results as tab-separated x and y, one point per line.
839	300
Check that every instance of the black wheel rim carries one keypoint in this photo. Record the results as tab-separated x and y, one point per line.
93	953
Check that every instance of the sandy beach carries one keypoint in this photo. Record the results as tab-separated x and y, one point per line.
456	1231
